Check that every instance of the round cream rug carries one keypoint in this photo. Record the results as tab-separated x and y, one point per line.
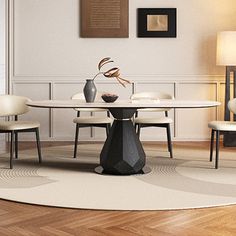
187	181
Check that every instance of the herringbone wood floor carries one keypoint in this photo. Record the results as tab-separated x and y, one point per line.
23	219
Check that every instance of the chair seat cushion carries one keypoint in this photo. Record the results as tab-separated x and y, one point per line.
222	125
157	120
92	120
18	125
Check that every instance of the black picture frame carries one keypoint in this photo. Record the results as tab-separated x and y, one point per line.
165	26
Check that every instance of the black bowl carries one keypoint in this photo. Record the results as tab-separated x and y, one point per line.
109	97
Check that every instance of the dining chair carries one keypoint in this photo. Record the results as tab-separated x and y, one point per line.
164	121
90	121
13	106
219	128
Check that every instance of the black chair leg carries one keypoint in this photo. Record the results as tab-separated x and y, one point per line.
38	145
212	144
107	129
138	131
217	148
16	145
169	140
76	140
11	149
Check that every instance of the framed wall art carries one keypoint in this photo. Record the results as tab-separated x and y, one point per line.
157	22
104	18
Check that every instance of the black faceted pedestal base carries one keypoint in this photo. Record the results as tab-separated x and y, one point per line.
101	171
122	153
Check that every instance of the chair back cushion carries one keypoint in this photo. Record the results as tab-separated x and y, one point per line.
232	105
11	105
151	96
80	96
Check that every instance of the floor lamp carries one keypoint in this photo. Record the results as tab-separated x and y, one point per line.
226	56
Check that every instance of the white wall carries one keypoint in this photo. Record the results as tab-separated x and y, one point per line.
50	60
2	46
47	37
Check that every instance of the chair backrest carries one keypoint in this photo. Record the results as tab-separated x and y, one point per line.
11	105
151	96
232	105
80	96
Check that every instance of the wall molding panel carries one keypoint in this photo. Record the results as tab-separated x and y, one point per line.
59	122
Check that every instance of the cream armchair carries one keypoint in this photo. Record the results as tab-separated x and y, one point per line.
11	105
89	121
164	121
221	127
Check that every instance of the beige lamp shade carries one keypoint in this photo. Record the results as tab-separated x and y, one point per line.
226	48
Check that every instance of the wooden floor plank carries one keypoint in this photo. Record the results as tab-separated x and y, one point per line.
115	231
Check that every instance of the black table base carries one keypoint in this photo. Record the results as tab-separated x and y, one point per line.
101	171
122	153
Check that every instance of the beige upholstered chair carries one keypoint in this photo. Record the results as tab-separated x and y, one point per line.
90	121
164	121
220	127
11	105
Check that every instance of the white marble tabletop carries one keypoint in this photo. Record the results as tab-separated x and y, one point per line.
124	104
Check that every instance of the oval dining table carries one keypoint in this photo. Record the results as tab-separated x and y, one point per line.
122	152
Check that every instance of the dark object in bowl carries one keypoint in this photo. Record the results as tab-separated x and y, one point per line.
109	97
